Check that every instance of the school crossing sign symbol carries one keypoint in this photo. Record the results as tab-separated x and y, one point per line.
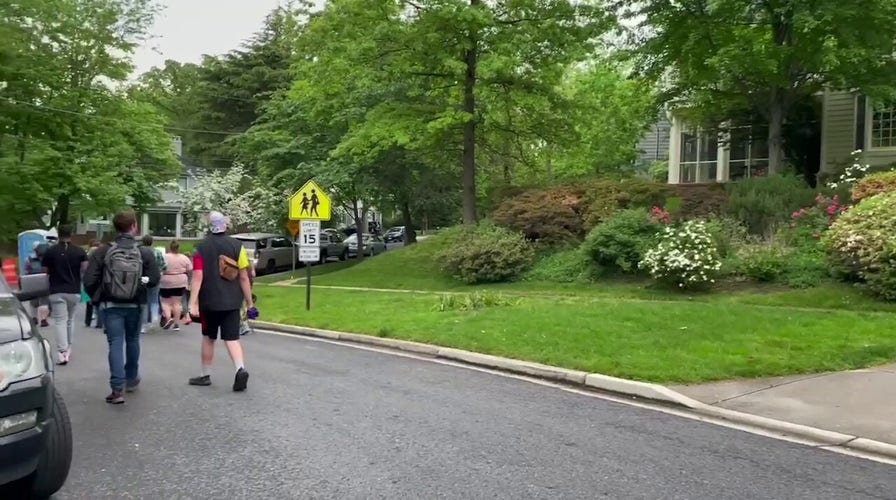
310	202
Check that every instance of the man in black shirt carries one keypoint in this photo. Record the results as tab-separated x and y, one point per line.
220	286
64	263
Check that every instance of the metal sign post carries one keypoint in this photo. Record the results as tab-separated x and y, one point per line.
293	227
309	252
307	207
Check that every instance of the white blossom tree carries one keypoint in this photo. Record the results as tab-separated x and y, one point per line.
259	207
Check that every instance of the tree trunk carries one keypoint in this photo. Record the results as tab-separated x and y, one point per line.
410	236
61	212
776	113
358	216
468	158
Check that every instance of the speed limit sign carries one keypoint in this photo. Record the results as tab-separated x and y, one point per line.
309	241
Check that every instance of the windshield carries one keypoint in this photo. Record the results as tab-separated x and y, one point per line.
248	244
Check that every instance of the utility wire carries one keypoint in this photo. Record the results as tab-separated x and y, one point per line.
119	120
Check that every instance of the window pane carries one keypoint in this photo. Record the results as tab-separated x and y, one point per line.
883	123
709	146
162	224
737	170
688	147
740	143
759	146
688	173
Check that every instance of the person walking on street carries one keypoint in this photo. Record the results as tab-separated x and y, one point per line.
64	263
220	285
41	306
118	277
90	308
151	314
174	282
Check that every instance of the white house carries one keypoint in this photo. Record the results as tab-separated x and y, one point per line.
849	122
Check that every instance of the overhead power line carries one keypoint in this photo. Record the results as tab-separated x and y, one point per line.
119	120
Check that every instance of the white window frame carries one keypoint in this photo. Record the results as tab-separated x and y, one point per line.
699	164
749	159
869	126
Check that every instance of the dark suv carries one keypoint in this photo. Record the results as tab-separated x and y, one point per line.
35	431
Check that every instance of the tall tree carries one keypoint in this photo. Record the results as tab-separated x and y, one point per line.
432	76
729	57
74	142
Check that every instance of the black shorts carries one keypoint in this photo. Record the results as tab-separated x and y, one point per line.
228	322
167	293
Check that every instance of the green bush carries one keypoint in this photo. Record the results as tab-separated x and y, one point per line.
861	244
727	233
487	253
474	301
873	184
566	266
605	197
696	201
764	203
619	243
764	262
805	268
548	216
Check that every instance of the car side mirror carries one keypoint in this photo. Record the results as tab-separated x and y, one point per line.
33	286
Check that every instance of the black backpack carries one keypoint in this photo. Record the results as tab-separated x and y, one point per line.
122	271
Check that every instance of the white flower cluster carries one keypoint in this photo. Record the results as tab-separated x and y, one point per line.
852	173
685	255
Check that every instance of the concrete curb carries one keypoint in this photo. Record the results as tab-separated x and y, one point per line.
605	383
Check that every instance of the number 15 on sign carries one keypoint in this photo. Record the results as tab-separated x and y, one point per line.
309	251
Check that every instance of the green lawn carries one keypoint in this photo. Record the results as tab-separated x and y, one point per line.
628	329
660	341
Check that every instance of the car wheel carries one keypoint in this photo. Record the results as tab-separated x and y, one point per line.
52	469
344	255
271	267
323	257
372	251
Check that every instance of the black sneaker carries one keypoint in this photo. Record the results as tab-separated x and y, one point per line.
44	323
240	380
115	398
202	380
132	385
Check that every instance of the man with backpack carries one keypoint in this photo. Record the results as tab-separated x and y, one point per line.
117	277
220	285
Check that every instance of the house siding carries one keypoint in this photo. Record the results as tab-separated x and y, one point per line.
654	145
838	129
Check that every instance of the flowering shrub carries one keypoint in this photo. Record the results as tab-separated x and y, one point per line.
861	244
657	214
852	173
876	183
809	223
686	256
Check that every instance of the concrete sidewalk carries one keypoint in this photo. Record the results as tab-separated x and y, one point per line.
860	402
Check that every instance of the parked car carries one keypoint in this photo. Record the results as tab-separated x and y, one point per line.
35	430
332	245
268	251
394	235
372	245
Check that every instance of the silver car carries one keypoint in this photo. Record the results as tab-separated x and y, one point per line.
268	252
373	245
331	246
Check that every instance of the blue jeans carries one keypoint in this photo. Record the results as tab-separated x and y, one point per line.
151	313
123	334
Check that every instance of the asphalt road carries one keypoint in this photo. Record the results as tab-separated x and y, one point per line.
330	421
